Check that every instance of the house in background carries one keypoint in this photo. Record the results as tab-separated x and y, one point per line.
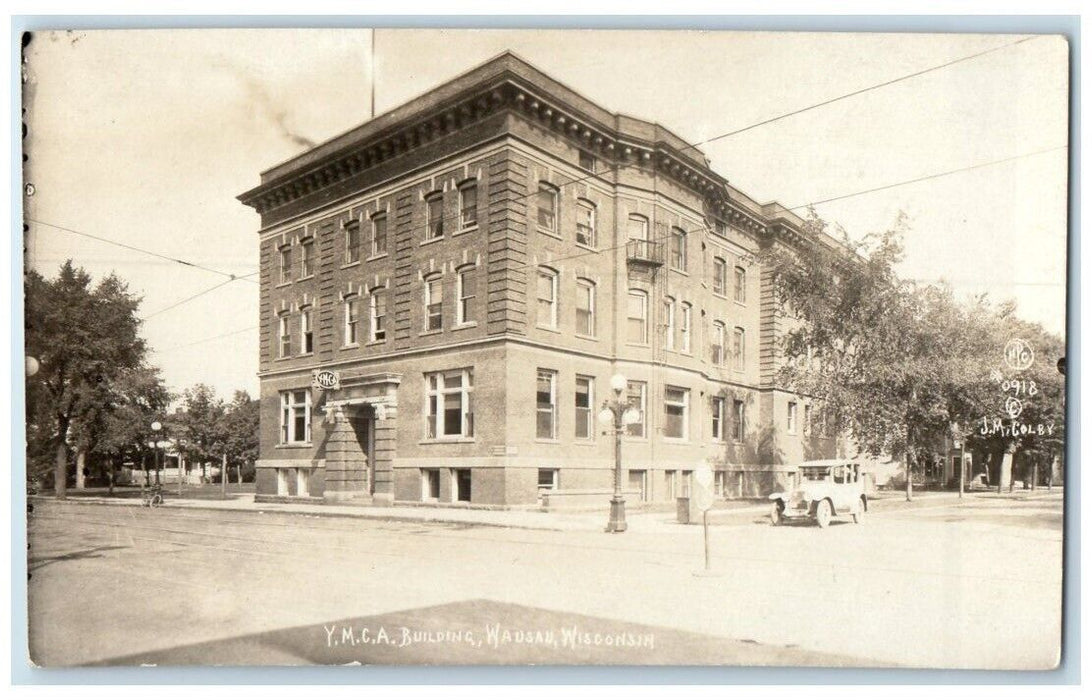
447	290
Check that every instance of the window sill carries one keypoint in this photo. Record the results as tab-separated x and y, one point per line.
372	343
350	346
586	337
354	263
427	241
434	331
740	303
378	256
637	345
283	284
551	234
719	295
550	329
681	271
585	246
306	354
307	277
446	441
547	441
465	230
584	442
465	325
292	445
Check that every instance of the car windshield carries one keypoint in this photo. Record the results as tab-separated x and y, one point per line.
814	474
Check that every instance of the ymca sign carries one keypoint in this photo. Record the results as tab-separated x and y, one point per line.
325	379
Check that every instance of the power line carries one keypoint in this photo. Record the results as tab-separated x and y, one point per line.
161	256
195	296
206	340
886	83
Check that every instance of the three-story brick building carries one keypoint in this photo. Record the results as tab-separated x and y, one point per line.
447	290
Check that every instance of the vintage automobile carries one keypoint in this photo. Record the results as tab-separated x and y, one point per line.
824	488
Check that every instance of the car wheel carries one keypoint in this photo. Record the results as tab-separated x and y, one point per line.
775	514
822	513
859	513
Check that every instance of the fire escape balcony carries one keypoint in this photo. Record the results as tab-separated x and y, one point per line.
650	253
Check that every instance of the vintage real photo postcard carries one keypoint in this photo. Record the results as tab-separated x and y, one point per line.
553	347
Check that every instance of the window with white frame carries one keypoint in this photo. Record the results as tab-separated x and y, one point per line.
720	421
636	396
678	248
352	242
546	289
739	347
434	303
669	323
377	310
468	204
465	290
295	417
307	254
637	317
548	479
352	320
716	345
434	216
284	333
584	405
286	265
585	223
307	335
546	206
790	419
741	285
546	404
449	412
676	412
720	276
637	228
684	327
739	419
585	307
379	234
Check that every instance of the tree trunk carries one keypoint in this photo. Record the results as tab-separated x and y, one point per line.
1005	473
239	474
81	464
110	477
223	476
1035	475
60	464
909	476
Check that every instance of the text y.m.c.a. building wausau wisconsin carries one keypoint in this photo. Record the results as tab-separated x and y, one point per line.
448	290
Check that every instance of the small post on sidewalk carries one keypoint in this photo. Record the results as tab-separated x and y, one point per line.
701	495
223	477
181	472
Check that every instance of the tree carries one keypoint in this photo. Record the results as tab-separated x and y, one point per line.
200	424
84	336
241	424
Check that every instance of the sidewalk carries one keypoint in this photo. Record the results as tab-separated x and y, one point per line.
732	513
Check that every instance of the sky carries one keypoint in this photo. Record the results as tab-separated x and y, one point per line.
146	137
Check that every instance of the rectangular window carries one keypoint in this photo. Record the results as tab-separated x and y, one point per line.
460	485
548	479
676	412
466	291
635	397
434	304
718	418
285	335
430	484
307	335
378	312
352	317
295	417
739	347
379	234
547	298
286	265
547	207
448	404
738	421
468	205
585	223
585	403
302	478
587	161
669	324
546	405
741	285
352	242
678	249
637	228
720	277
307	252
637	317
585	307
434	209
790	419
684	329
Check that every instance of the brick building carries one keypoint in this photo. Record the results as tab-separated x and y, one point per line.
447	289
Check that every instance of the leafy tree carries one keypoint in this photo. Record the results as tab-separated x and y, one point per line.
84	336
240	428
200	424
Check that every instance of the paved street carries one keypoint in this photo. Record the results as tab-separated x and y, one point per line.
975	584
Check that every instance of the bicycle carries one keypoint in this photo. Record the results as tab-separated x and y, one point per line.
151	498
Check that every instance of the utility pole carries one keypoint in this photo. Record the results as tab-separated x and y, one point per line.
223	477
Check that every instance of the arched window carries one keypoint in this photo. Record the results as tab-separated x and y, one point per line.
585	223
352	242
716	345
637	228
678	249
434	215
741	285
637	317
379	234
684	327
546	292
739	347
547	207
720	277
468	204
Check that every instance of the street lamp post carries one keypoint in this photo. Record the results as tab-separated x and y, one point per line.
156	427
616	415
